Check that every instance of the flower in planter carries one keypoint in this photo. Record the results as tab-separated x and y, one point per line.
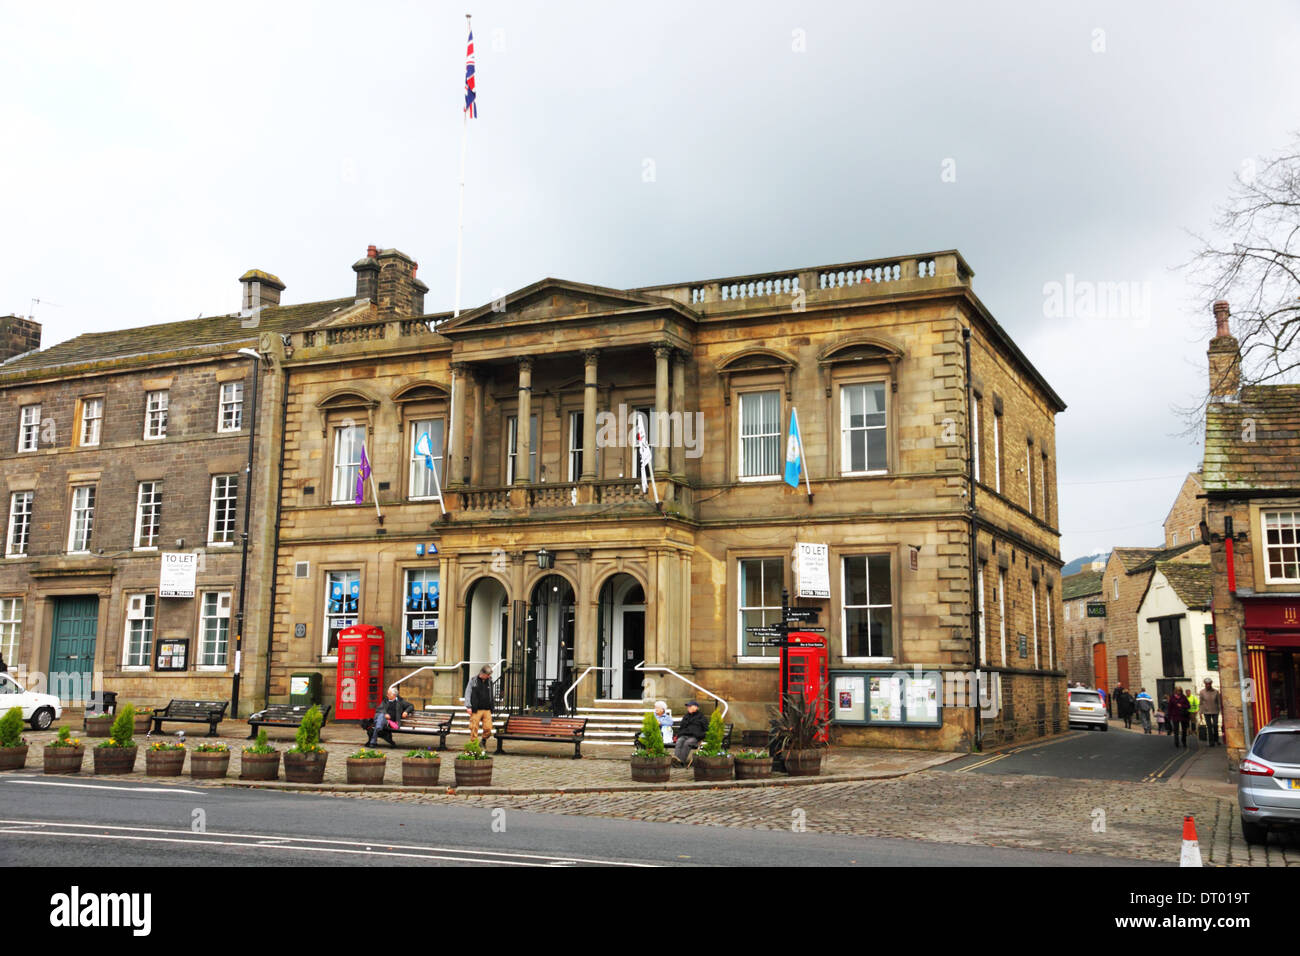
364	754
428	753
206	748
11	728
65	739
159	745
754	755
123	732
473	751
259	746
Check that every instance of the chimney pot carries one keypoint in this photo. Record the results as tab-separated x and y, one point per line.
1221	313
371	252
1225	358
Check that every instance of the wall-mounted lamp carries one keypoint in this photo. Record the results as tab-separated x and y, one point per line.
545	559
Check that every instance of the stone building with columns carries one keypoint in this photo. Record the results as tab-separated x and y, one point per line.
503	518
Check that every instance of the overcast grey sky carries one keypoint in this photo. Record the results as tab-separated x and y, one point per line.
154	152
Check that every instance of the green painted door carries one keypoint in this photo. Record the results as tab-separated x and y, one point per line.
72	650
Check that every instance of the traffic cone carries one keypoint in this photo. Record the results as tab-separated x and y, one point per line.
1191	849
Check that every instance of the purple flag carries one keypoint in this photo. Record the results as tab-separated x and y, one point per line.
362	474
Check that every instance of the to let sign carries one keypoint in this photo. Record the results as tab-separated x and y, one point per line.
814	570
176	578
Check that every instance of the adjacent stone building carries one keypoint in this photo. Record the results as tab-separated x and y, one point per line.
1172	620
1083	632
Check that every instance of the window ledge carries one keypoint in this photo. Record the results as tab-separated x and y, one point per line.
873	661
759	660
135	668
211	668
221	544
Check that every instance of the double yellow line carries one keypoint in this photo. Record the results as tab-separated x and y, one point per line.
1014	750
1163	769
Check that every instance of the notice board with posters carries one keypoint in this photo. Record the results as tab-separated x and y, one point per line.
886	698
172	654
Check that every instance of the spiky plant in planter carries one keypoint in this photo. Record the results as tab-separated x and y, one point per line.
712	762
261	761
117	753
798	735
650	763
420	768
304	762
13	748
473	766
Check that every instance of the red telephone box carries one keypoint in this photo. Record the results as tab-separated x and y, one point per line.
806	665
360	684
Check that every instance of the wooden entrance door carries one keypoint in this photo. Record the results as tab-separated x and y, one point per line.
72	649
1099	666
1121	665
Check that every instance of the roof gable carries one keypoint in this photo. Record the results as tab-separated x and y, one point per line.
556	299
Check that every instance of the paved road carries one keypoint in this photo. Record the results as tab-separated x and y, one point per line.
1087	755
47	822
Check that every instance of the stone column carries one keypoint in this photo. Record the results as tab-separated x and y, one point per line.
584	652
456	453
523	436
660	440
477	448
589	358
676	454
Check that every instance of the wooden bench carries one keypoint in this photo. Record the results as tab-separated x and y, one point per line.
677	724
210	712
283	715
563	730
422	725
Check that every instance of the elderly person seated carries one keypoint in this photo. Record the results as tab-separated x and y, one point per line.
388	717
689	735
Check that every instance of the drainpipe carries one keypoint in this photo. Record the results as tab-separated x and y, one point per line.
243	559
275	549
974	553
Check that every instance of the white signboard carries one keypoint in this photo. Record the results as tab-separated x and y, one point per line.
813	562
176	579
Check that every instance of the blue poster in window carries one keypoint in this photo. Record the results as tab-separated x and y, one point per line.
336	597
415	600
431	598
414	643
354	596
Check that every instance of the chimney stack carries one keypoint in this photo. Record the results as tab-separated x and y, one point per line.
367	270
260	289
1225	358
18	335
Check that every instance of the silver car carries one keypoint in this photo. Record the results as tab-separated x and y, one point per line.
1268	780
1086	708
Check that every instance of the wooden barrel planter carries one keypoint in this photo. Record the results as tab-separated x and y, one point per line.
753	768
473	773
164	763
98	725
63	759
257	766
13	758
712	769
212	764
803	763
420	771
304	768
651	769
142	722
115	759
366	769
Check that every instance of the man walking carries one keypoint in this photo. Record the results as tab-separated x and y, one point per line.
1211	707
1145	706
1177	714
478	701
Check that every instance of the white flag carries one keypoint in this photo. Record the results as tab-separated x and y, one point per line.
644	456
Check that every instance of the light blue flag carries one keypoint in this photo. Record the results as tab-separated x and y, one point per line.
425	447
793	453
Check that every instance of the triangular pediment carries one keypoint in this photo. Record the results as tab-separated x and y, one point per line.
554	300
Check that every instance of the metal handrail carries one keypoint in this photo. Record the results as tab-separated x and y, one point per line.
443	667
579	681
703	690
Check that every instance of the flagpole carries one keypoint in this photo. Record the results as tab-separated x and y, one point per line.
460	215
438	484
802	456
373	491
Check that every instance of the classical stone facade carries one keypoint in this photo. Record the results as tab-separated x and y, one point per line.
552	561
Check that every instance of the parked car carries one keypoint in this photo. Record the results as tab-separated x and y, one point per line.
1268	780
1087	708
39	710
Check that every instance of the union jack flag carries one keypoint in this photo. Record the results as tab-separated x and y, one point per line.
471	108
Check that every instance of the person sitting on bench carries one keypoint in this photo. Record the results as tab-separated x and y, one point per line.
389	717
690	733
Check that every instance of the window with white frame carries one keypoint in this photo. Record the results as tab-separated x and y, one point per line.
1029	474
214	628
20	523
975	434
92	420
420	614
863	429
29	428
1281	546
1002	613
760	435
979	584
82	520
1067	610
1033	610
231	404
11	626
155	414
140	612
759	603
1115	588
1051	639
997	451
221	511
342	606
1042	489
148	514
349	440
868	611
575	449
426	450
512	447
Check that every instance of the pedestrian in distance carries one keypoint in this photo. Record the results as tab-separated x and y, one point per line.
1193	711
1211	708
691	732
1145	707
388	717
478	701
1124	706
1178	714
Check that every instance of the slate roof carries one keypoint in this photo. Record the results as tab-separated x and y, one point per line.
173	336
1161	556
1081	584
1130	558
1192	583
1233	462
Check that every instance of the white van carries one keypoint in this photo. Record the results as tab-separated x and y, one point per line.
39	710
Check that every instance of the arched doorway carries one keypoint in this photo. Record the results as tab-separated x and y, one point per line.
620	642
550	636
487	626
